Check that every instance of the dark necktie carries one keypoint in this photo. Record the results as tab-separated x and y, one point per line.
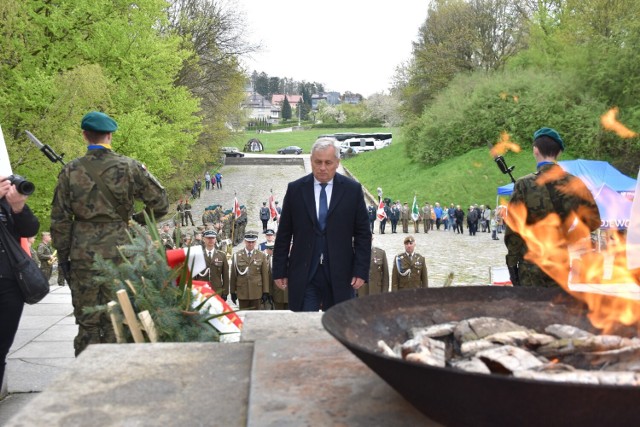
322	209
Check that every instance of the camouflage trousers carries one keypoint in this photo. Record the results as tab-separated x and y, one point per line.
94	328
531	275
46	270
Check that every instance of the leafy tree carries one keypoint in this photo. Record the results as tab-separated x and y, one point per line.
286	109
261	84
274	86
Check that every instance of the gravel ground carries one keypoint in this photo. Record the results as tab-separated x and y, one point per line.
468	257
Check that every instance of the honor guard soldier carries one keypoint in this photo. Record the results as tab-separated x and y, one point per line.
265	213
249	274
180	210
409	268
217	270
426	217
279	297
378	273
187	213
46	255
404	217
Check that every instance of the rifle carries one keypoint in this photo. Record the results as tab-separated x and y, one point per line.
46	149
502	165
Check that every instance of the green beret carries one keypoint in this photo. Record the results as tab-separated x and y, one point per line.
551	133
227	212
98	122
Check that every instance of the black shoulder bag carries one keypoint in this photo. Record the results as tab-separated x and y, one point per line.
32	283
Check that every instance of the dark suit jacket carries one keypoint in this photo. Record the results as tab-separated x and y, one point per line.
347	233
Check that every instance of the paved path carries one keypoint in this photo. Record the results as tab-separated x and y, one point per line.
43	347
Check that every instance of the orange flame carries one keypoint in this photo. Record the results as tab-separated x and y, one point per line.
503	145
611	123
573	261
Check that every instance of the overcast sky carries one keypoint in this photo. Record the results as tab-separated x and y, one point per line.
348	45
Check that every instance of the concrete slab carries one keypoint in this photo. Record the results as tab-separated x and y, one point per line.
56	298
274	324
12	404
39	322
47	309
44	349
68	320
33	375
318	382
23	337
167	384
58	332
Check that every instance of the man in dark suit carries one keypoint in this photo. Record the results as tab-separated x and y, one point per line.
324	219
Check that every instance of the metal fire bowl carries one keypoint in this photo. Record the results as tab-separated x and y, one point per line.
456	398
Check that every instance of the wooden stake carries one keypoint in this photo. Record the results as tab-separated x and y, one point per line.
116	321
148	325
130	315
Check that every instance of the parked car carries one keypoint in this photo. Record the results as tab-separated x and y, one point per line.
292	149
231	152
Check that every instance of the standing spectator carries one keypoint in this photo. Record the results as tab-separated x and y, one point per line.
451	211
19	221
207	180
265	213
92	205
444	219
459	219
409	268
438	211
187	213
535	197
486	217
219	180
472	220
378	273
371	210
45	255
249	275
325	216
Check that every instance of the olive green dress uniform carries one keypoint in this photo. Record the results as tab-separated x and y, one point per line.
45	254
280	296
249	278
550	190
409	272
378	274
216	272
426	217
404	218
84	224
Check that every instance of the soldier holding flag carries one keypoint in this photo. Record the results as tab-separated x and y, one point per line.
415	215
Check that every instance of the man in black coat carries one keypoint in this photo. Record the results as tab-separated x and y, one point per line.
323	245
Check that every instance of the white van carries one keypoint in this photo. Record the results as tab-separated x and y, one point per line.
359	144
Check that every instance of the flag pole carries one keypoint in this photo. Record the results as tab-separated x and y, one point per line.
233	224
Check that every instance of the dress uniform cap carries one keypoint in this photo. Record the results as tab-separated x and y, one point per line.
269	231
251	236
551	133
209	233
409	239
98	122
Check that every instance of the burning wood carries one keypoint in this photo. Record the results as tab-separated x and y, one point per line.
494	345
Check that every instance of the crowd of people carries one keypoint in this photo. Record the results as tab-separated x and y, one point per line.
433	216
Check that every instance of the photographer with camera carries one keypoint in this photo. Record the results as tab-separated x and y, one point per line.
19	222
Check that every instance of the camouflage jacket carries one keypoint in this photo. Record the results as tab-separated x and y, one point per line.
547	203
83	221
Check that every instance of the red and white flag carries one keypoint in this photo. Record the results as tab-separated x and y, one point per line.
236	208
381	214
272	207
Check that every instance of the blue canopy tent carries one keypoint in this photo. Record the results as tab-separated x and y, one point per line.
605	183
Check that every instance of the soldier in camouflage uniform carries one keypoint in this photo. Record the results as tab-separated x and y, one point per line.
45	255
187	213
87	221
167	239
409	268
378	273
217	270
249	274
547	203
180	210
